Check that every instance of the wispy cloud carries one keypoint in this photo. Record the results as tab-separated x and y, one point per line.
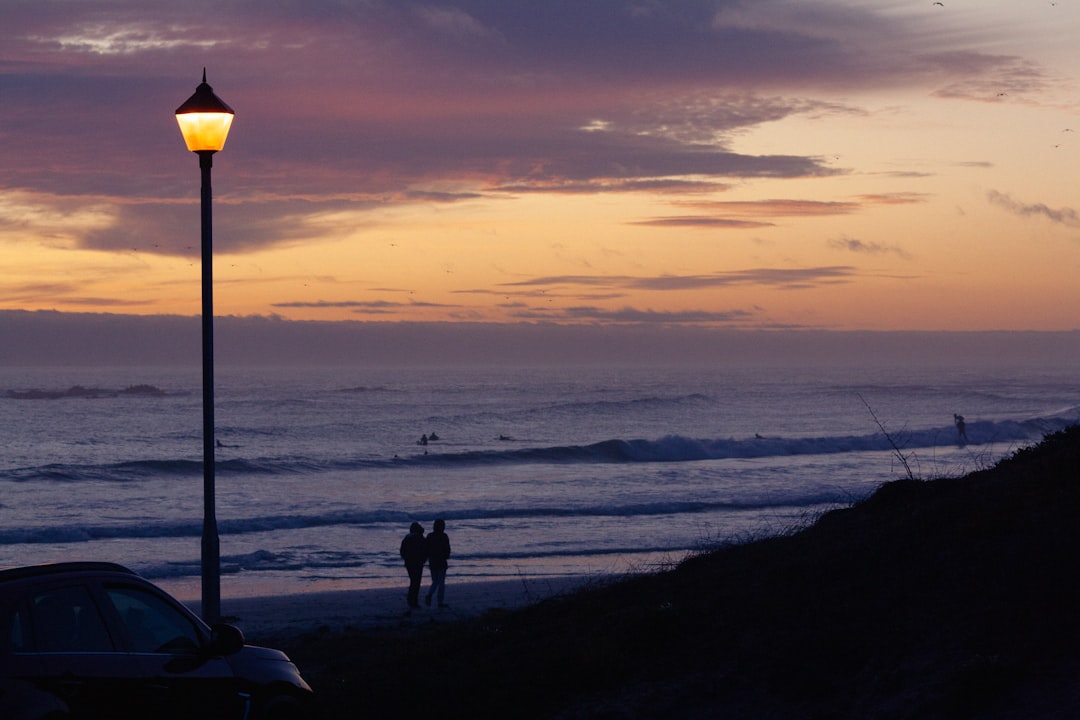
758	213
613	185
359	305
992	78
776	277
636	316
897	198
869	248
782	207
1064	216
126	39
699	221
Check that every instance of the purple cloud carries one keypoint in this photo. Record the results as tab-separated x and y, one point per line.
363	105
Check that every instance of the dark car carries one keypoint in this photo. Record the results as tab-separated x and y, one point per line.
95	640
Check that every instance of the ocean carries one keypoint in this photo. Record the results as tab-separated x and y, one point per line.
582	472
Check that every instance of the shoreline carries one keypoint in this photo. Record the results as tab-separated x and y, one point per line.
383	608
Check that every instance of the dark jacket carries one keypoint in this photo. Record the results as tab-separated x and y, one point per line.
414	550
438	549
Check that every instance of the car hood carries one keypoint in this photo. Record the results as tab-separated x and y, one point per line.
264	666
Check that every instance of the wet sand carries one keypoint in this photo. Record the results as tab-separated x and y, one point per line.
276	616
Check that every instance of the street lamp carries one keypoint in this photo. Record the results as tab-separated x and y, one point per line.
204	122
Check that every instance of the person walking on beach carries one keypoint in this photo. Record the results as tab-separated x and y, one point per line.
414	553
438	553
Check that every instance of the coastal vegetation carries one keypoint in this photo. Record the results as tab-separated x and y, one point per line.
944	598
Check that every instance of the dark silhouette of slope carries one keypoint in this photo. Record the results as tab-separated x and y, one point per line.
951	598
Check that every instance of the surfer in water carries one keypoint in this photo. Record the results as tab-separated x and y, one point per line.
961	429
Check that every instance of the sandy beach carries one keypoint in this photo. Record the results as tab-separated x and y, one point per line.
292	615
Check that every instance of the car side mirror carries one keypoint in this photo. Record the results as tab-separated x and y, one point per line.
224	640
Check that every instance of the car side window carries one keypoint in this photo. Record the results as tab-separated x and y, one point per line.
65	619
22	637
152	624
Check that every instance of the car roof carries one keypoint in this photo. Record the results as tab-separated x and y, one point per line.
61	568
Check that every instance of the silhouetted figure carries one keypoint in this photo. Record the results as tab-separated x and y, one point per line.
438	553
961	429
432	437
422	440
414	553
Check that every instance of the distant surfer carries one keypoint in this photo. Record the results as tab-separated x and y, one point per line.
961	429
423	440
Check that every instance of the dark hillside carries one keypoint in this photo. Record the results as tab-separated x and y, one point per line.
952	598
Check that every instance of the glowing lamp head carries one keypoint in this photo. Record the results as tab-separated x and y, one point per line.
204	119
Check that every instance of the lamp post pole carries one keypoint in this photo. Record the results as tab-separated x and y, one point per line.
211	544
204	122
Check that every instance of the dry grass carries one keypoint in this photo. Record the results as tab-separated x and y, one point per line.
951	598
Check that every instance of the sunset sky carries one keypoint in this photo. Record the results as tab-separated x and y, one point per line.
765	164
